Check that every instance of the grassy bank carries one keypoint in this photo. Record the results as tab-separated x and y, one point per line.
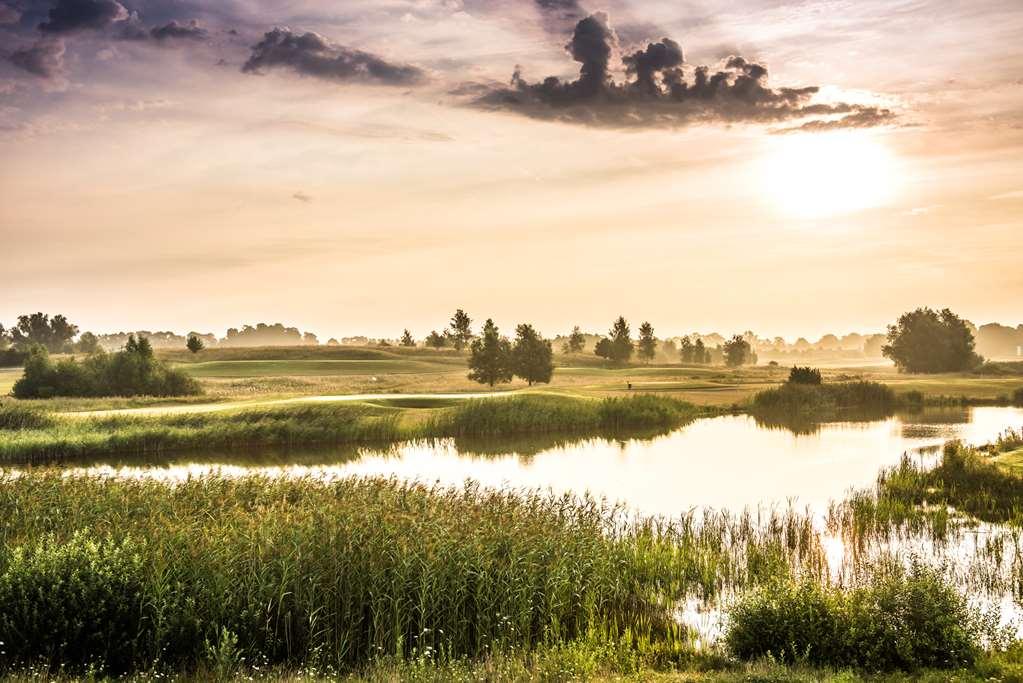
31	436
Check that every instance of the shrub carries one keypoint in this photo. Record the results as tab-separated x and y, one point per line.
78	603
131	372
807	375
801	400
901	620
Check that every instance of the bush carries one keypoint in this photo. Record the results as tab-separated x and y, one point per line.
807	375
78	603
131	372
802	400
902	620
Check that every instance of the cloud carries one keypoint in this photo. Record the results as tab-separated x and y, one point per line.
311	54
302	197
174	30
560	14
44	59
8	15
661	90
74	15
1015	194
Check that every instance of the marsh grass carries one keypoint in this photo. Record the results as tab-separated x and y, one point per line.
66	438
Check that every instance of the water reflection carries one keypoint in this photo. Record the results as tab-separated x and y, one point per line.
724	462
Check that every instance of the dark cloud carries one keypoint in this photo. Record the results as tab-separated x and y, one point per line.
662	91
863	117
74	15
173	30
44	59
559	15
313	55
8	14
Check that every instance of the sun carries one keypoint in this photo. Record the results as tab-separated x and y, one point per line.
824	174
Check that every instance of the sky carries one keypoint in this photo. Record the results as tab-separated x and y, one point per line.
358	167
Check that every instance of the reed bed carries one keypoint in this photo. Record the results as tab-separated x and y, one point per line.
30	437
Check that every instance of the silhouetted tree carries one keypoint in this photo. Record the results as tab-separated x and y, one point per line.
406	339
686	351
603	348
647	342
925	340
532	356
701	354
436	340
38	328
737	351
490	361
194	344
576	341
621	341
807	375
461	329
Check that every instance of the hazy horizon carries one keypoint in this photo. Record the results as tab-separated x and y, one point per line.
358	168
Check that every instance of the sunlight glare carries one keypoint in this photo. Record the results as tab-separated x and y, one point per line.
824	174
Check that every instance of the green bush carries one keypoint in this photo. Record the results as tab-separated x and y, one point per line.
807	375
78	603
901	620
131	372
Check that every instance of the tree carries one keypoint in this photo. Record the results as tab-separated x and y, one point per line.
55	334
406	339
621	341
532	356
925	340
669	349
647	342
737	351
436	340
461	329
194	344
701	354
576	341
87	343
5	338
603	348
807	375
686	351
490	361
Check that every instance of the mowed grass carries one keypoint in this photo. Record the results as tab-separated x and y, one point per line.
307	368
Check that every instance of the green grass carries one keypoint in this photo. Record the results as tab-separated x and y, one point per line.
67	438
327	368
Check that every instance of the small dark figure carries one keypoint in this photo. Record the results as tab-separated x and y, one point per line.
630	386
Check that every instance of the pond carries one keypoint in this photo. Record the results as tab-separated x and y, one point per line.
728	462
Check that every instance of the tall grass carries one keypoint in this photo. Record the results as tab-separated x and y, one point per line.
65	438
825	400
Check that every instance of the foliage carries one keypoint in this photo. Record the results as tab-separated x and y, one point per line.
901	620
406	339
617	347
738	351
647	347
490	361
55	334
823	400
603	348
76	603
87	343
194	344
576	341
131	372
262	334
19	416
925	340
461	329
436	340
804	375
532	356
693	353
1017	397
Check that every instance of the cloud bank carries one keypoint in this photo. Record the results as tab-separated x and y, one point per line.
310	54
75	15
661	90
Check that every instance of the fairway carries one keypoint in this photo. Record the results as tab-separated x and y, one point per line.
311	368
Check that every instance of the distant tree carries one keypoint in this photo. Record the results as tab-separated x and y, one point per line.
532	356
925	340
576	341
333	342
5	338
461	329
406	339
194	344
669	349
647	350
490	361
383	342
807	375
603	348
687	351
621	341
38	328
436	340
87	343
310	339
701	354
737	351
